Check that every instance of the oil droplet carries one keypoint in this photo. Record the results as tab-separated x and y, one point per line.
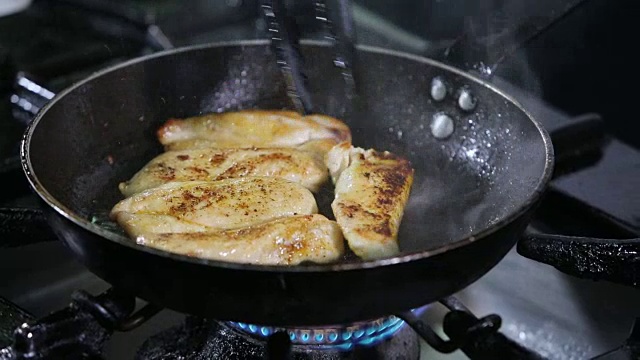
466	100
441	126
438	89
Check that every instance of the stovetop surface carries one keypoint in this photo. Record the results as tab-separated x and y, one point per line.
554	314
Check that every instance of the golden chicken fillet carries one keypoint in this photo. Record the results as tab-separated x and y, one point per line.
251	128
286	241
223	204
217	164
371	191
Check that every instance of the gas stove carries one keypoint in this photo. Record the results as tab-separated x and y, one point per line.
542	301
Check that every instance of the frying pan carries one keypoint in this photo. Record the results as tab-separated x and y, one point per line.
482	163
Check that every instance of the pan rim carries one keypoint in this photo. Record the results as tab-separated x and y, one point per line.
63	210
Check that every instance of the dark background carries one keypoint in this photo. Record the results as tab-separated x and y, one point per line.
584	63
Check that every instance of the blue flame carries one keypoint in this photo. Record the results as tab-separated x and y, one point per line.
345	338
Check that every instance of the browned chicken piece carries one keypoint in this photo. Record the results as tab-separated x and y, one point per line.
217	164
318	148
251	128
140	223
285	241
223	204
371	191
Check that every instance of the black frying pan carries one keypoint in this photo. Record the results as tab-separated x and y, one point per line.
472	197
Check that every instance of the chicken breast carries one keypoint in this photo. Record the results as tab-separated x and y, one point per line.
285	241
371	191
318	148
137	223
217	164
223	204
250	128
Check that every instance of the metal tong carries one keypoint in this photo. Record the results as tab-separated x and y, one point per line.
337	22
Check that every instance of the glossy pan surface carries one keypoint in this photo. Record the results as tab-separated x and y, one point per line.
473	189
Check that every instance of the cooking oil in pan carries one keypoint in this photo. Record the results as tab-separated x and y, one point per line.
102	220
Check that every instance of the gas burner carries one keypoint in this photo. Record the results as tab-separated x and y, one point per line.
82	330
338	337
388	338
89	321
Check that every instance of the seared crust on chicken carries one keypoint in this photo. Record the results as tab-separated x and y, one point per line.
285	241
237	187
217	164
223	204
140	223
250	128
371	191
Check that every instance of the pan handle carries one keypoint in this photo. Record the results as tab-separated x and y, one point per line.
614	260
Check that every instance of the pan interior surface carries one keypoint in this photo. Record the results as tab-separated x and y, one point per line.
479	158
